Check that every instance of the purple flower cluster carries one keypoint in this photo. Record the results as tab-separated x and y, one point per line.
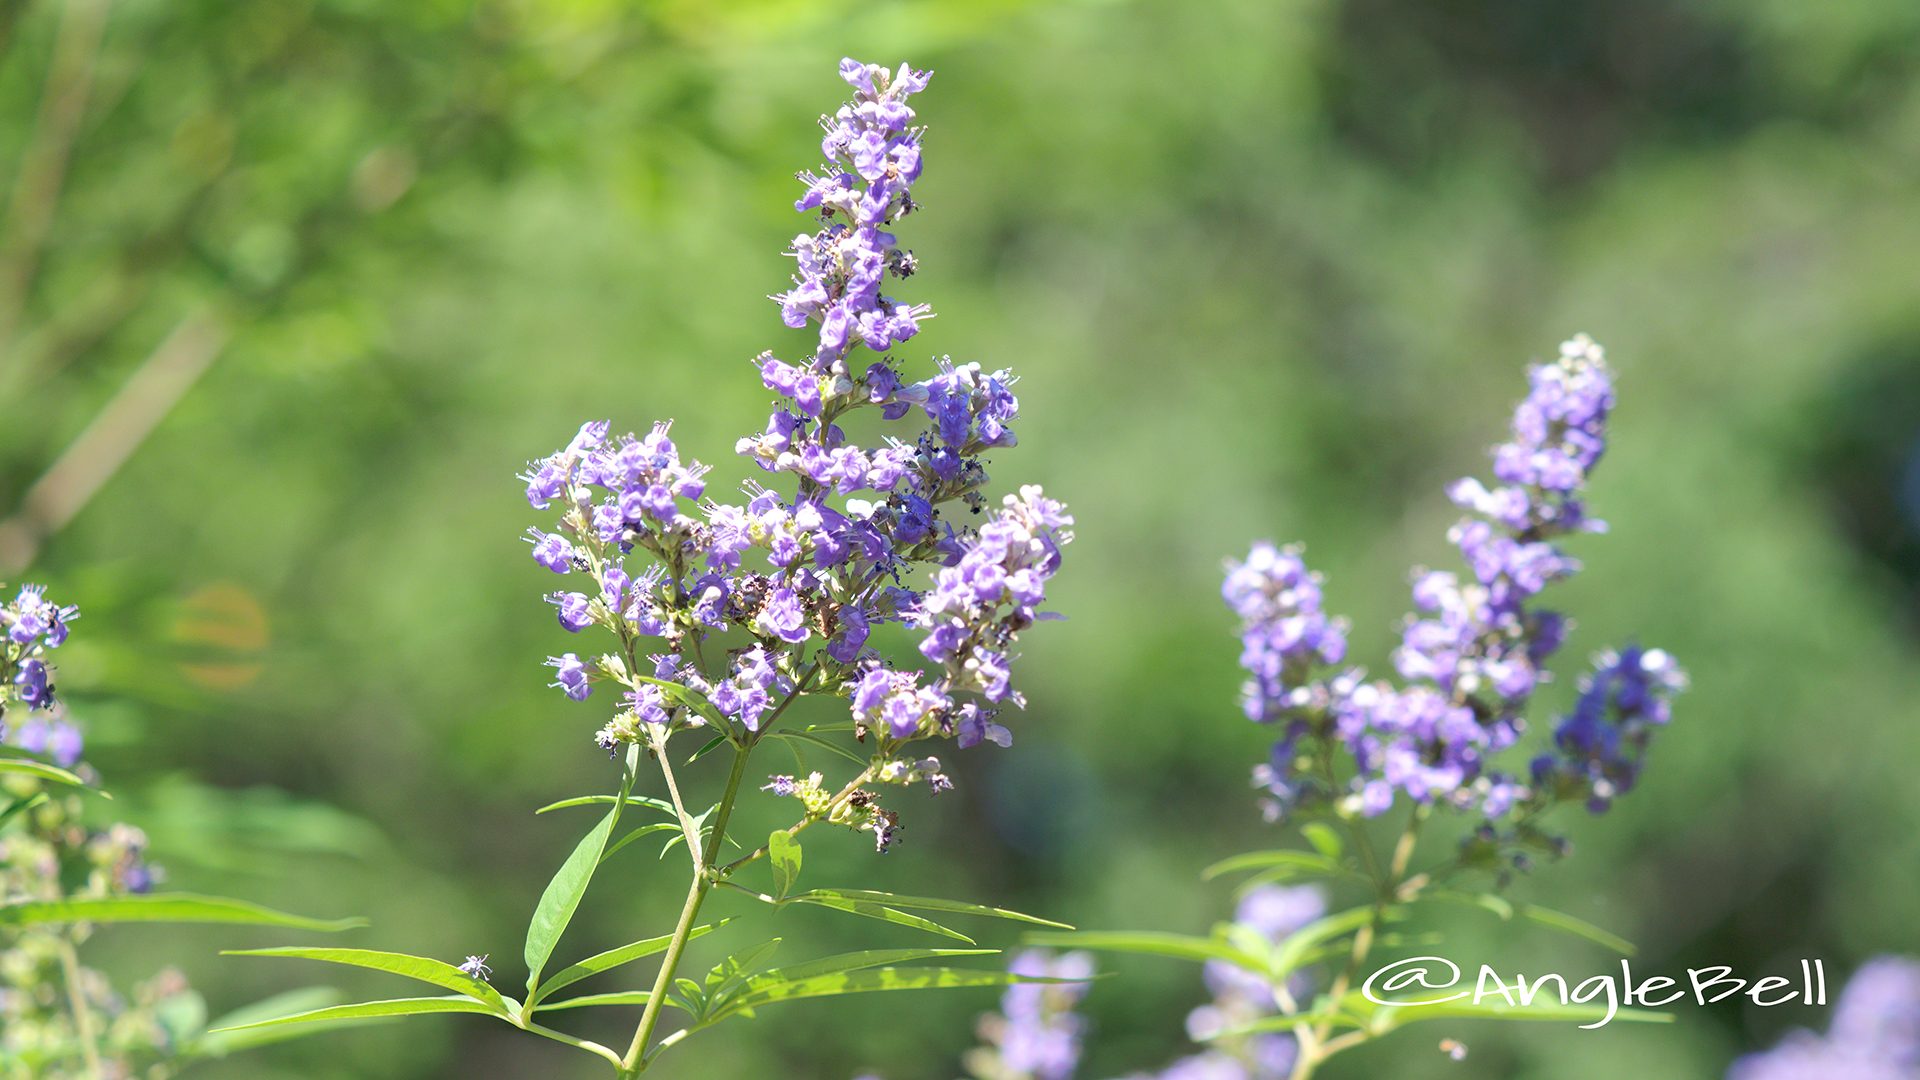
1036	1033
756	600
33	627
1475	649
1875	1033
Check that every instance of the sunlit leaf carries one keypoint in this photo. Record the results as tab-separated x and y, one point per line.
824	744
161	907
367	1011
425	969
607	800
644	830
562	897
875	980
1154	943
225	1035
42	770
22	804
1324	838
1294	951
1565	923
932	903
783	852
869	909
612	958
1283	863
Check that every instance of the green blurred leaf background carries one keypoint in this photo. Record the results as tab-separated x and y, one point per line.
289	291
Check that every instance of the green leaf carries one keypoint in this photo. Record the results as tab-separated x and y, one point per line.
644	830
783	851
873	980
44	771
1565	923
607	800
683	695
223	1036
160	907
1324	838
620	997
366	1011
930	903
562	897
1295	863
828	898
717	740
1497	905
724	975
1154	943
1294	951
423	968
854	961
815	740
24	803
1389	1017
612	958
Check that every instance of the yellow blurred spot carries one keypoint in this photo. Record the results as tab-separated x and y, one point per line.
227	625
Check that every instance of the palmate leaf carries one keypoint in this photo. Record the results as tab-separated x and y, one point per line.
161	907
562	896
422	968
853	961
870	909
607	961
735	968
1389	1018
367	1012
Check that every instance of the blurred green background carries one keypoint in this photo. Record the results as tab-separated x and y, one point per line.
1267	269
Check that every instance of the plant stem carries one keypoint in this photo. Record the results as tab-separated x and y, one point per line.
77	999
635	1061
1387	890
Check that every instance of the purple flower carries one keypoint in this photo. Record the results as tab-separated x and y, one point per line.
570	676
551	550
783	617
572	610
1875	1034
1474	651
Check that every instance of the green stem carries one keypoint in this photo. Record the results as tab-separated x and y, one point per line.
1387	889
635	1060
77	999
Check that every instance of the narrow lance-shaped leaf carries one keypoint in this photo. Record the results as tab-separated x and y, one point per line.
870	909
1294	863
931	903
612	958
1560	920
44	771
562	897
606	800
783	852
367	1011
422	968
874	980
1151	943
161	907
1324	838
223	1036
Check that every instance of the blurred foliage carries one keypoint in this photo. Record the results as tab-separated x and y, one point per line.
1268	268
